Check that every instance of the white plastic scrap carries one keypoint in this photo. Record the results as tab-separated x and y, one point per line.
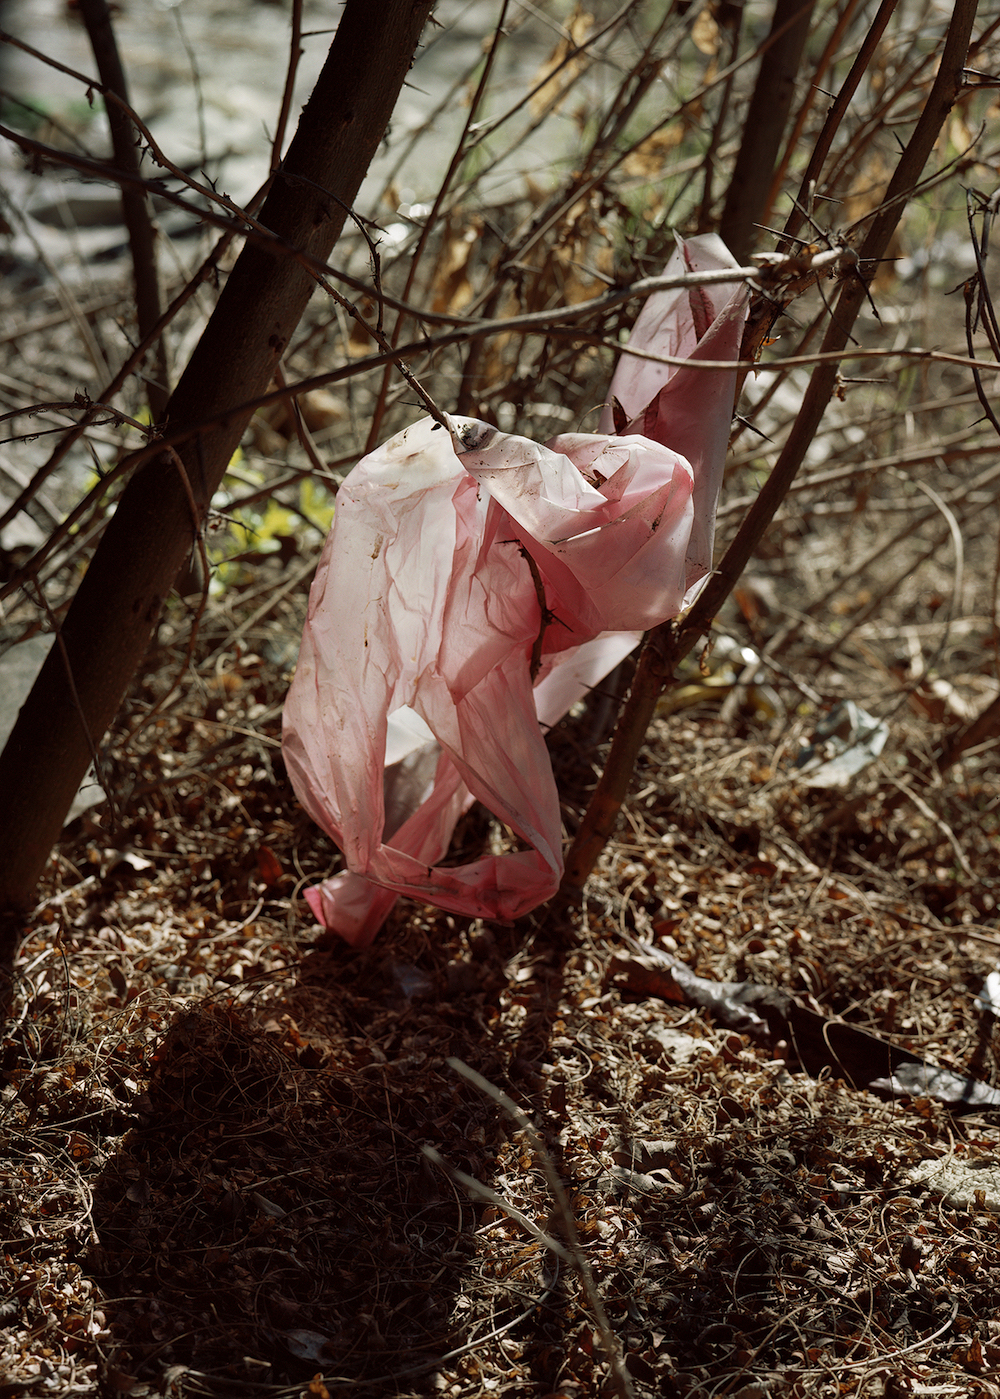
988	998
845	741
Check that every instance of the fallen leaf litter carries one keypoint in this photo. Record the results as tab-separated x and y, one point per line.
214	1176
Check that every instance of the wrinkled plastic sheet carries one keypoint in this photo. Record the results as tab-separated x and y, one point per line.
846	741
988	998
958	1091
771	1015
475	584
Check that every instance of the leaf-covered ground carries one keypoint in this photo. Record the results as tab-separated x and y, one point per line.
214	1124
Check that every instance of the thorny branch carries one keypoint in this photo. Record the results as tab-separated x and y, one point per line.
666	646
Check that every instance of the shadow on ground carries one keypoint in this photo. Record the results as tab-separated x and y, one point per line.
273	1216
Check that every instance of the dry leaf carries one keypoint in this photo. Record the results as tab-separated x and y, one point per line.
552	93
647	160
454	290
705	33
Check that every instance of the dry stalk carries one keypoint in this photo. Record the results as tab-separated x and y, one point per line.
135	206
620	1375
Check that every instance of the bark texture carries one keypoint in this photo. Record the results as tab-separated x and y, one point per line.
108	628
767	117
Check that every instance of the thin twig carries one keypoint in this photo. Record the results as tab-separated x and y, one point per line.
841	103
378	411
937	821
620	1375
349	371
668	643
294	54
135	206
479	1191
206	270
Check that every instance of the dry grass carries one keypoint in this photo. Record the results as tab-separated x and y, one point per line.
215	1180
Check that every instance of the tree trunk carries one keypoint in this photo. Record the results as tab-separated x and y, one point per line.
109	626
767	117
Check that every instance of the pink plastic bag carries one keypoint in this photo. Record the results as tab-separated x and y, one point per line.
422	685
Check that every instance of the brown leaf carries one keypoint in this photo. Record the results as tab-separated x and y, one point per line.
268	865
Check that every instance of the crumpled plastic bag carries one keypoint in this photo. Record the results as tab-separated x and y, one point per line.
690	410
429	666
